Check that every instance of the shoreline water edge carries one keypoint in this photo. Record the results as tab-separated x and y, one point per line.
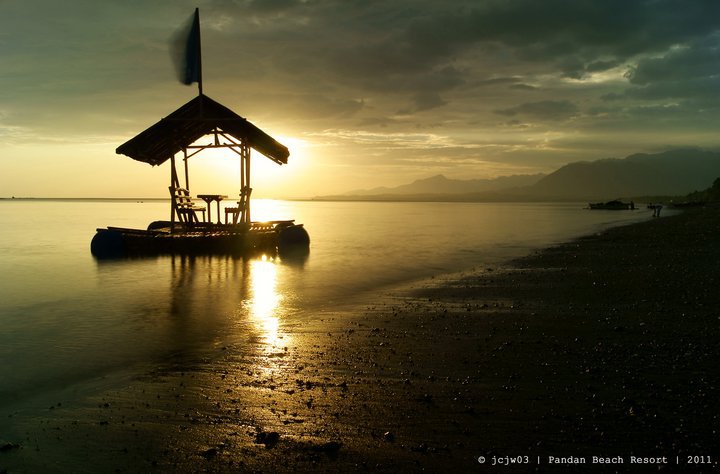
602	350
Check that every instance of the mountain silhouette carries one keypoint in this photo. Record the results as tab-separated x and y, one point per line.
439	184
670	173
673	172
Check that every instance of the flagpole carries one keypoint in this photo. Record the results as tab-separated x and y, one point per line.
199	52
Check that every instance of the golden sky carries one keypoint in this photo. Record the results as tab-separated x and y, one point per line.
365	94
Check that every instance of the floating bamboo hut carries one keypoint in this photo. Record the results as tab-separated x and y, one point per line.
191	228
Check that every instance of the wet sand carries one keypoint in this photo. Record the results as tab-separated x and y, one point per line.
606	346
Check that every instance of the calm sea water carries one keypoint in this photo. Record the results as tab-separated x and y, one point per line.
66	318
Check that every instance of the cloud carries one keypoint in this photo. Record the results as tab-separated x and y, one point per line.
697	60
316	106
703	90
423	101
593	35
101	69
543	110
523	87
387	140
422	52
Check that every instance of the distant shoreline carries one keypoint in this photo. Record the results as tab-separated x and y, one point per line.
13	198
121	199
376	198
445	198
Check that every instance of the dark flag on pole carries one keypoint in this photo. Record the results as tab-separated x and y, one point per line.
185	50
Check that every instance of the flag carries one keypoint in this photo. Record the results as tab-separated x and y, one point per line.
185	51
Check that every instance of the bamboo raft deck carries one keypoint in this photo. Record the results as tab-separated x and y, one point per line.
270	238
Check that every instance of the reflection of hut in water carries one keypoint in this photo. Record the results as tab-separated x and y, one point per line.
192	228
213	296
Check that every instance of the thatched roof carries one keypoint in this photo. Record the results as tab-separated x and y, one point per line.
193	120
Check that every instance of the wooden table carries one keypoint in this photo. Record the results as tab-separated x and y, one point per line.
208	198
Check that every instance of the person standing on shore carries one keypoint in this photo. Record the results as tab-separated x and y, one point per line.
656	212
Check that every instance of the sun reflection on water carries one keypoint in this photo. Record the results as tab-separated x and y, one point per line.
265	301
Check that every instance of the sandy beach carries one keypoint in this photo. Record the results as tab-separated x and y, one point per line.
599	350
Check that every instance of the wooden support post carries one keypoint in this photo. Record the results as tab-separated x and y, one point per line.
246	150
241	202
174	184
187	175
245	189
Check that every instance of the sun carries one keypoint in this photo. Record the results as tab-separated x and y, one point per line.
217	170
272	180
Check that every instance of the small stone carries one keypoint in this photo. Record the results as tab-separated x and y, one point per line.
209	453
268	438
9	447
330	447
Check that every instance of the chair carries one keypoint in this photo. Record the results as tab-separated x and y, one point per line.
184	207
231	211
242	211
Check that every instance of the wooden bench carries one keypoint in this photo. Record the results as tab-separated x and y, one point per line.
184	207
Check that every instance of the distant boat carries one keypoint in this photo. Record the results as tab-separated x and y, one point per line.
614	205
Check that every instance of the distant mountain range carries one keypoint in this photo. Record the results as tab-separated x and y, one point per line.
676	172
441	185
